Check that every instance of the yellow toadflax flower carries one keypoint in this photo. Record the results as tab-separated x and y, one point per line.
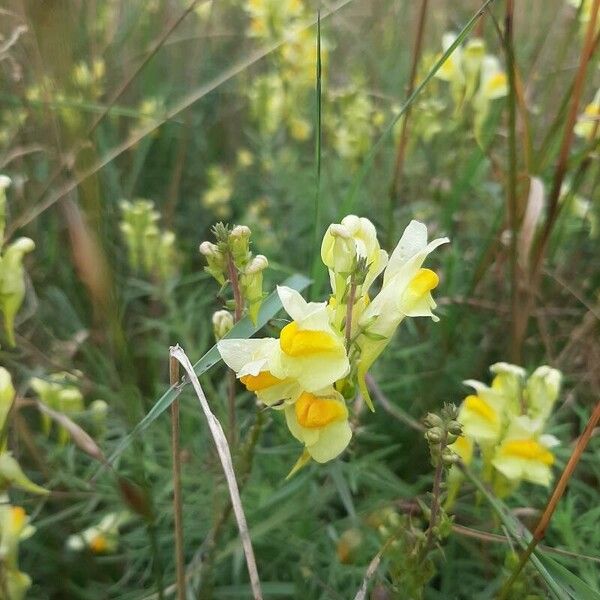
308	356
258	365
406	291
481	414
524	453
320	422
313	352
102	538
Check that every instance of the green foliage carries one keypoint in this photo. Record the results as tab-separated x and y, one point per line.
217	120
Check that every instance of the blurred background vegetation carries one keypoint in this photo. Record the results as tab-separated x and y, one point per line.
209	111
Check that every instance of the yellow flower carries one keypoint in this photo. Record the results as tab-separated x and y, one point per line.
452	68
524	454
463	446
320	422
313	353
509	381
494	83
258	365
541	392
406	291
102	538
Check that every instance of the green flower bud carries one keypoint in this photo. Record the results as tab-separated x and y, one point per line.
12	283
222	321
433	420
7	395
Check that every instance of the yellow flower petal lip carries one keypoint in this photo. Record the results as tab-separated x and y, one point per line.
99	544
424	281
527	449
481	408
18	517
314	412
298	342
262	381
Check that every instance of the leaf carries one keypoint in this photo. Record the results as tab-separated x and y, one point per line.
243	329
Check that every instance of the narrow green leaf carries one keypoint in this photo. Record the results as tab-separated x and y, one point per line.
243	329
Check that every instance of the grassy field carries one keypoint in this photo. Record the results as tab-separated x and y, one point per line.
136	135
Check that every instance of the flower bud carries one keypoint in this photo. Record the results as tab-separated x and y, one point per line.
434	435
433	420
7	394
239	243
222	321
455	428
215	259
449	458
257	264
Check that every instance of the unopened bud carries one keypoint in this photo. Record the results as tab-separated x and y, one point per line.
433	420
222	321
434	435
449	458
455	428
208	249
258	263
240	231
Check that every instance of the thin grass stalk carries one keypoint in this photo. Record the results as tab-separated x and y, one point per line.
177	496
511	190
553	501
318	140
225	457
403	138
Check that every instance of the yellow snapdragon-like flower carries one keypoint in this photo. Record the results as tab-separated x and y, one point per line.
320	422
102	538
524	453
14	527
541	392
481	414
313	352
308	356
258	365
406	291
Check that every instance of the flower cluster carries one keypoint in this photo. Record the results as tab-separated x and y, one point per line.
12	273
313	367
506	421
149	249
230	260
475	77
278	99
